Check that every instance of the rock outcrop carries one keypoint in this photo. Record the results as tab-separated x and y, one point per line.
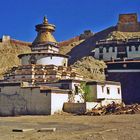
90	68
9	51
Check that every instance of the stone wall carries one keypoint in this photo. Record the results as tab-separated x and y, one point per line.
76	108
24	101
80	108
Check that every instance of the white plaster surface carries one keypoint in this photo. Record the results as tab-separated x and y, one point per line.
113	91
57	102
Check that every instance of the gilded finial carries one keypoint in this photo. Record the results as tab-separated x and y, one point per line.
45	20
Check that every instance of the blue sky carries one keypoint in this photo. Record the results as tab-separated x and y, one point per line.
71	17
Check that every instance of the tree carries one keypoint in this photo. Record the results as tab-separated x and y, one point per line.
85	90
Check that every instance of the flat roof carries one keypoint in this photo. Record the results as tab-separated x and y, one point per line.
71	80
124	61
48	89
103	82
39	53
4	83
53	89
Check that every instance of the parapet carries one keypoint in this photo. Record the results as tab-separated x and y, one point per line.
86	34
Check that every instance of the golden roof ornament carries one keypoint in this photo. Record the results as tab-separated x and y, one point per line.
45	31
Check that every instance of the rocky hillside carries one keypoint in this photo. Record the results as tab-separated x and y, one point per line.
85	48
66	49
67	45
69	41
123	35
8	54
90	68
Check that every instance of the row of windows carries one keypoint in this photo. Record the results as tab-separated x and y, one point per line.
107	50
108	90
66	86
113	49
136	48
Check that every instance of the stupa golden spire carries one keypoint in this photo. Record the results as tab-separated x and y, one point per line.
45	20
45	31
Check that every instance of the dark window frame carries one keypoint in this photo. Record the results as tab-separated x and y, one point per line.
130	48
100	57
76	89
65	86
113	49
136	48
100	49
108	90
102	89
118	90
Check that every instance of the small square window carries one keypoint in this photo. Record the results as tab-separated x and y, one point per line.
100	50
113	49
108	90
76	89
130	48
136	48
100	57
102	89
118	89
107	50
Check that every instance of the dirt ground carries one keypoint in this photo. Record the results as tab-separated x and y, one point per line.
69	127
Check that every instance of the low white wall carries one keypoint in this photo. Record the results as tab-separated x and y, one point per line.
109	101
57	102
78	98
91	105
